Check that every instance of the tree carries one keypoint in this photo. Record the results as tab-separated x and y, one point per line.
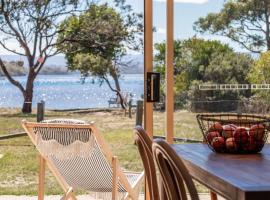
199	61
260	74
245	22
260	71
34	26
96	40
192	57
228	68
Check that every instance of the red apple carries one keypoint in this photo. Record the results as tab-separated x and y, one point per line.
218	143
231	145
228	131
216	127
212	135
233	125
241	136
258	131
251	145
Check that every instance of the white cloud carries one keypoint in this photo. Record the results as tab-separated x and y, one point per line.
161	31
187	1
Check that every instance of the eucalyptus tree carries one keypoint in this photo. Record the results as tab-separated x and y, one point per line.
245	22
33	26
96	41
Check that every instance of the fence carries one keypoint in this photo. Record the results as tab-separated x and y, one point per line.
239	106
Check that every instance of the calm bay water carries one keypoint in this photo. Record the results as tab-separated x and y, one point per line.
68	92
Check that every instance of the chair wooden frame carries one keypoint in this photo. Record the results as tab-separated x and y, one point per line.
118	174
174	173
144	144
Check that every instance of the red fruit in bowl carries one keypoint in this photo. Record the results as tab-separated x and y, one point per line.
218	143
251	145
231	145
216	127
233	125
257	131
241	136
212	135
228	131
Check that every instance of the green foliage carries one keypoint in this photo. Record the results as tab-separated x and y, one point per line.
198	54
260	74
191	58
99	31
242	21
228	68
86	63
260	71
96	40
199	61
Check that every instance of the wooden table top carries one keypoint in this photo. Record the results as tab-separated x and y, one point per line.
233	176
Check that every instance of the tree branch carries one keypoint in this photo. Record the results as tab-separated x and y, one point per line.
122	102
9	77
10	50
19	37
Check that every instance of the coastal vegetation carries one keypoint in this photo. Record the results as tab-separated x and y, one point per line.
199	61
96	41
35	26
244	22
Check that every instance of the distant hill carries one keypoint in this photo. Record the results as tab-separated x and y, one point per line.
52	61
14	69
57	64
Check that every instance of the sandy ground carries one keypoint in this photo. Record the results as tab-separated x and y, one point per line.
82	197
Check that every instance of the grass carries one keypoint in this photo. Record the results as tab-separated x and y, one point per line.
18	157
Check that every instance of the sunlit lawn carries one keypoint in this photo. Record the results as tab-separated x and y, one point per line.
18	157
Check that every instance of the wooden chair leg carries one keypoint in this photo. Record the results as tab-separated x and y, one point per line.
41	178
213	195
69	195
114	178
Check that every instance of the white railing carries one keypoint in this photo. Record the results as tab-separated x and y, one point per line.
234	86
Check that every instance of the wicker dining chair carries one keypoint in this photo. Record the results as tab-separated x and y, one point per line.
79	158
174	173
144	144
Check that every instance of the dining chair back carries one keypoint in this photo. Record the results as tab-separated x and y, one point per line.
144	144
174	173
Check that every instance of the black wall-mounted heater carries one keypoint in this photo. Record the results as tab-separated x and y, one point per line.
153	87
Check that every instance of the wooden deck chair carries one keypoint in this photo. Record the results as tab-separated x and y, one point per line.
79	158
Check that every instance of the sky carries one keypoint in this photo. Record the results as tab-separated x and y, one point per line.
186	12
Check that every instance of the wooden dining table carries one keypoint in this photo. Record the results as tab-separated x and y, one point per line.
233	176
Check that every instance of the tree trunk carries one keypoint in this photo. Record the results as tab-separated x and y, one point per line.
117	89
28	95
116	82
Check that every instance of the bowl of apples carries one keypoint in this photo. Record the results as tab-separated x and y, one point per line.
234	133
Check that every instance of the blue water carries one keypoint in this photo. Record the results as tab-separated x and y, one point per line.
68	92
